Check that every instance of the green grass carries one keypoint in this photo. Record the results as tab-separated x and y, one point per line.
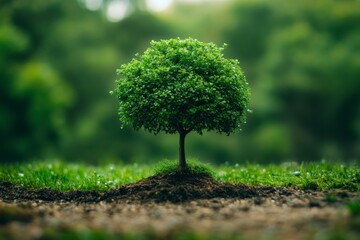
354	208
193	166
67	176
146	234
315	176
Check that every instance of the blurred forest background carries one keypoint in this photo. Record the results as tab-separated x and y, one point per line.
58	60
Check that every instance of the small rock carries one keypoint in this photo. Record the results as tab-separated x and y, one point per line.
315	204
190	210
343	194
258	201
245	208
296	203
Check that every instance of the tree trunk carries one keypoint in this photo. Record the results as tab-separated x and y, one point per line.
182	161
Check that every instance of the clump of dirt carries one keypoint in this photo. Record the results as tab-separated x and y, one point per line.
184	186
172	187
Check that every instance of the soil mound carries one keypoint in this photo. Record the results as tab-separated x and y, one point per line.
175	187
184	186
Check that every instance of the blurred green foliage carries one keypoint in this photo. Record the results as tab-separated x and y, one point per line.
301	58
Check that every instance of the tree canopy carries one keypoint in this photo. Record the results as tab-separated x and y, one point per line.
182	86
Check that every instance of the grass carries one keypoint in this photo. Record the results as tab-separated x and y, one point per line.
146	234
64	176
67	176
354	208
314	176
193	166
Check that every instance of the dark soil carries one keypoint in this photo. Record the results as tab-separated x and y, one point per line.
181	187
166	205
177	187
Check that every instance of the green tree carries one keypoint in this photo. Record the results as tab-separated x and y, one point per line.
179	86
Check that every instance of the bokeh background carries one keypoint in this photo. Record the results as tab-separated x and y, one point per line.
58	60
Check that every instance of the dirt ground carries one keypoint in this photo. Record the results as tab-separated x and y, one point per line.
159	209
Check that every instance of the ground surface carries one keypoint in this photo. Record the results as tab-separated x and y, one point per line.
169	206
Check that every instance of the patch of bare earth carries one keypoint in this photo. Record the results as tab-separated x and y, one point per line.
165	206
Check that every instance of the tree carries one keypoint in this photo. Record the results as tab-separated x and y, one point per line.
180	86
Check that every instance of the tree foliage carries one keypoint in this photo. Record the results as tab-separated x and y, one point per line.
182	86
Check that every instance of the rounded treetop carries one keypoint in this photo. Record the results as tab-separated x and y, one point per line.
182	86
